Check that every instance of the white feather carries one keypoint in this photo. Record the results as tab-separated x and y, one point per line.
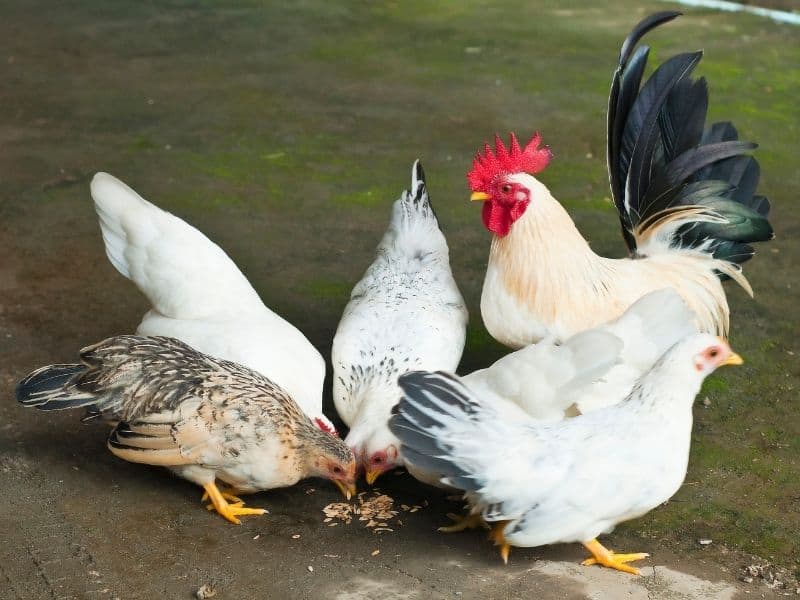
199	296
592	369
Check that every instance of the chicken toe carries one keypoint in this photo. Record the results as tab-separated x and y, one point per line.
227	510
463	522
607	558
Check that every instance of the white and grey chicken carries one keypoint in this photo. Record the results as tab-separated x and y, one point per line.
569	481
204	418
592	369
405	313
200	297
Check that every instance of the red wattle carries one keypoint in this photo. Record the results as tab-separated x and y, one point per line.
498	218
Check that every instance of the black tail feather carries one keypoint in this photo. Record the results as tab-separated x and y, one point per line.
661	157
45	388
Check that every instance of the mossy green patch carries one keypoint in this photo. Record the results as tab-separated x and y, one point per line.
328	290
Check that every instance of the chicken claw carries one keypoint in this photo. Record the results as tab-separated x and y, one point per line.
605	557
463	522
225	509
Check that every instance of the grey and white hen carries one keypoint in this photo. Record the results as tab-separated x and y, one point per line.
567	481
405	313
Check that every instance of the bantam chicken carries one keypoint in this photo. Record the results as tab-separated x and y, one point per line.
200	297
590	370
569	481
686	198
204	418
405	313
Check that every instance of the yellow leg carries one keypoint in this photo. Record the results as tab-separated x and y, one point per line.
228	494
226	510
499	539
462	522
607	558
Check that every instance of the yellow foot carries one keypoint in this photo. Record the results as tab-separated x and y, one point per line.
499	539
605	557
462	522
224	508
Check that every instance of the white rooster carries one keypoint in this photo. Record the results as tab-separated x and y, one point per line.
200	297
686	199
405	313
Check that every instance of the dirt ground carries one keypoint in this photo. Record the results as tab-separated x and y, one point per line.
284	133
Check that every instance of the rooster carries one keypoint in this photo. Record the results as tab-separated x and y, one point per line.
406	313
686	197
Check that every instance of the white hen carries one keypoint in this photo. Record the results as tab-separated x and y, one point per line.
200	297
592	369
406	313
569	481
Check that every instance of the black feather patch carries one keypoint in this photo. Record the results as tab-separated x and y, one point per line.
430	402
661	156
44	380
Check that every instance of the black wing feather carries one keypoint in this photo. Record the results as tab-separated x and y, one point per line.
429	401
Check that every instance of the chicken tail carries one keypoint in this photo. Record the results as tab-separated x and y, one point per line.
413	228
119	377
54	387
677	184
415	203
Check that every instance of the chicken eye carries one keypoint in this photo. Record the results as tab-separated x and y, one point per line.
337	470
506	188
377	459
713	353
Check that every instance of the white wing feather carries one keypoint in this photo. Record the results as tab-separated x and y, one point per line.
592	369
198	294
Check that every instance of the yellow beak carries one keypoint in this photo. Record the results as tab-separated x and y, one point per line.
479	196
371	475
348	489
733	359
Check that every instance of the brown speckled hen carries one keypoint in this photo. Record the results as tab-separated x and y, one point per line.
204	418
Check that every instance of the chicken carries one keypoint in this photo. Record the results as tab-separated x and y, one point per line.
590	370
405	313
204	418
686	200
569	481
200	297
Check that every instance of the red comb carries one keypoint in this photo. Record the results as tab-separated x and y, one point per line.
325	427
513	159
